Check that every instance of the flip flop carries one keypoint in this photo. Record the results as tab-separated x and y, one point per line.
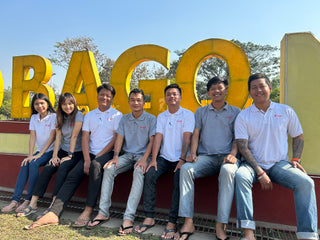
38	224
222	239
147	226
27	211
123	229
185	233
100	221
84	222
166	231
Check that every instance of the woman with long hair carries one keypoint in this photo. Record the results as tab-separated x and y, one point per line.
67	151
42	135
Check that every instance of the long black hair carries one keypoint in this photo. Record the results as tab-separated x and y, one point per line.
42	97
61	114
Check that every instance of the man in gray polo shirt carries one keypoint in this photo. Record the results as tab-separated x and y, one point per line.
136	132
213	139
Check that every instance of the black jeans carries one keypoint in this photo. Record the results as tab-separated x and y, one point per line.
74	179
62	172
149	191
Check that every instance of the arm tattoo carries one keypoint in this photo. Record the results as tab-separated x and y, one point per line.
244	150
297	147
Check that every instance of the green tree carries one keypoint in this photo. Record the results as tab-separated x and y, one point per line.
63	51
5	110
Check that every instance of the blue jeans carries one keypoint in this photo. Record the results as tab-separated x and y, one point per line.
206	166
29	173
285	175
126	162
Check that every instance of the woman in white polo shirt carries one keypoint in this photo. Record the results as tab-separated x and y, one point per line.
42	135
66	154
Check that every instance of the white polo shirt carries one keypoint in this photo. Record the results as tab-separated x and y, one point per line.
101	126
43	129
267	133
172	127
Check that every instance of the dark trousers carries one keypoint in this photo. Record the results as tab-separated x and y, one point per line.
62	172
74	179
149	191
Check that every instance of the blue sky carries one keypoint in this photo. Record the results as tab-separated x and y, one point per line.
34	26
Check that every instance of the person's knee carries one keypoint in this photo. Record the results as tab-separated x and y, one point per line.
228	170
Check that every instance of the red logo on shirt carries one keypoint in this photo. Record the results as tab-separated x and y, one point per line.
229	117
47	125
179	121
142	127
277	115
109	119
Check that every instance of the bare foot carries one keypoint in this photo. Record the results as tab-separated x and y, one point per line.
186	228
49	219
84	218
22	206
221	230
248	234
11	207
169	231
145	225
99	219
126	227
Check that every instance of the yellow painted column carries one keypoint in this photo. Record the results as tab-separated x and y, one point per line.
22	85
232	54
299	88
122	71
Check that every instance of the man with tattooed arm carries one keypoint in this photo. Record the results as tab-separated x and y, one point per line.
261	133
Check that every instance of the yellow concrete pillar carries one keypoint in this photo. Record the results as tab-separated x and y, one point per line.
299	88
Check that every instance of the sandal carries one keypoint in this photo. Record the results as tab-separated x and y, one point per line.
38	224
147	226
166	231
27	211
11	207
100	221
122	233
79	223
185	233
23	206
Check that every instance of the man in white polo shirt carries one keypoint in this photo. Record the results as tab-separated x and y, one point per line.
98	137
261	133
173	135
136	133
213	151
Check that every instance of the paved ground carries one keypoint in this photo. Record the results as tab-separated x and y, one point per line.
205	225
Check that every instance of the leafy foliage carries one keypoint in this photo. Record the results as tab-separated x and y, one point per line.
63	51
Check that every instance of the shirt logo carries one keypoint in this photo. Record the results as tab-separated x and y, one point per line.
229	117
109	119
277	115
142	127
47	125
179	121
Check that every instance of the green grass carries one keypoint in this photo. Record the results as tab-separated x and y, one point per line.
12	228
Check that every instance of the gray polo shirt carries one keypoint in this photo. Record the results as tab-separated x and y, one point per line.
216	129
136	132
66	132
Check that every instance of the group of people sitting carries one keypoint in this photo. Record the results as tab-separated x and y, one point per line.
242	147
